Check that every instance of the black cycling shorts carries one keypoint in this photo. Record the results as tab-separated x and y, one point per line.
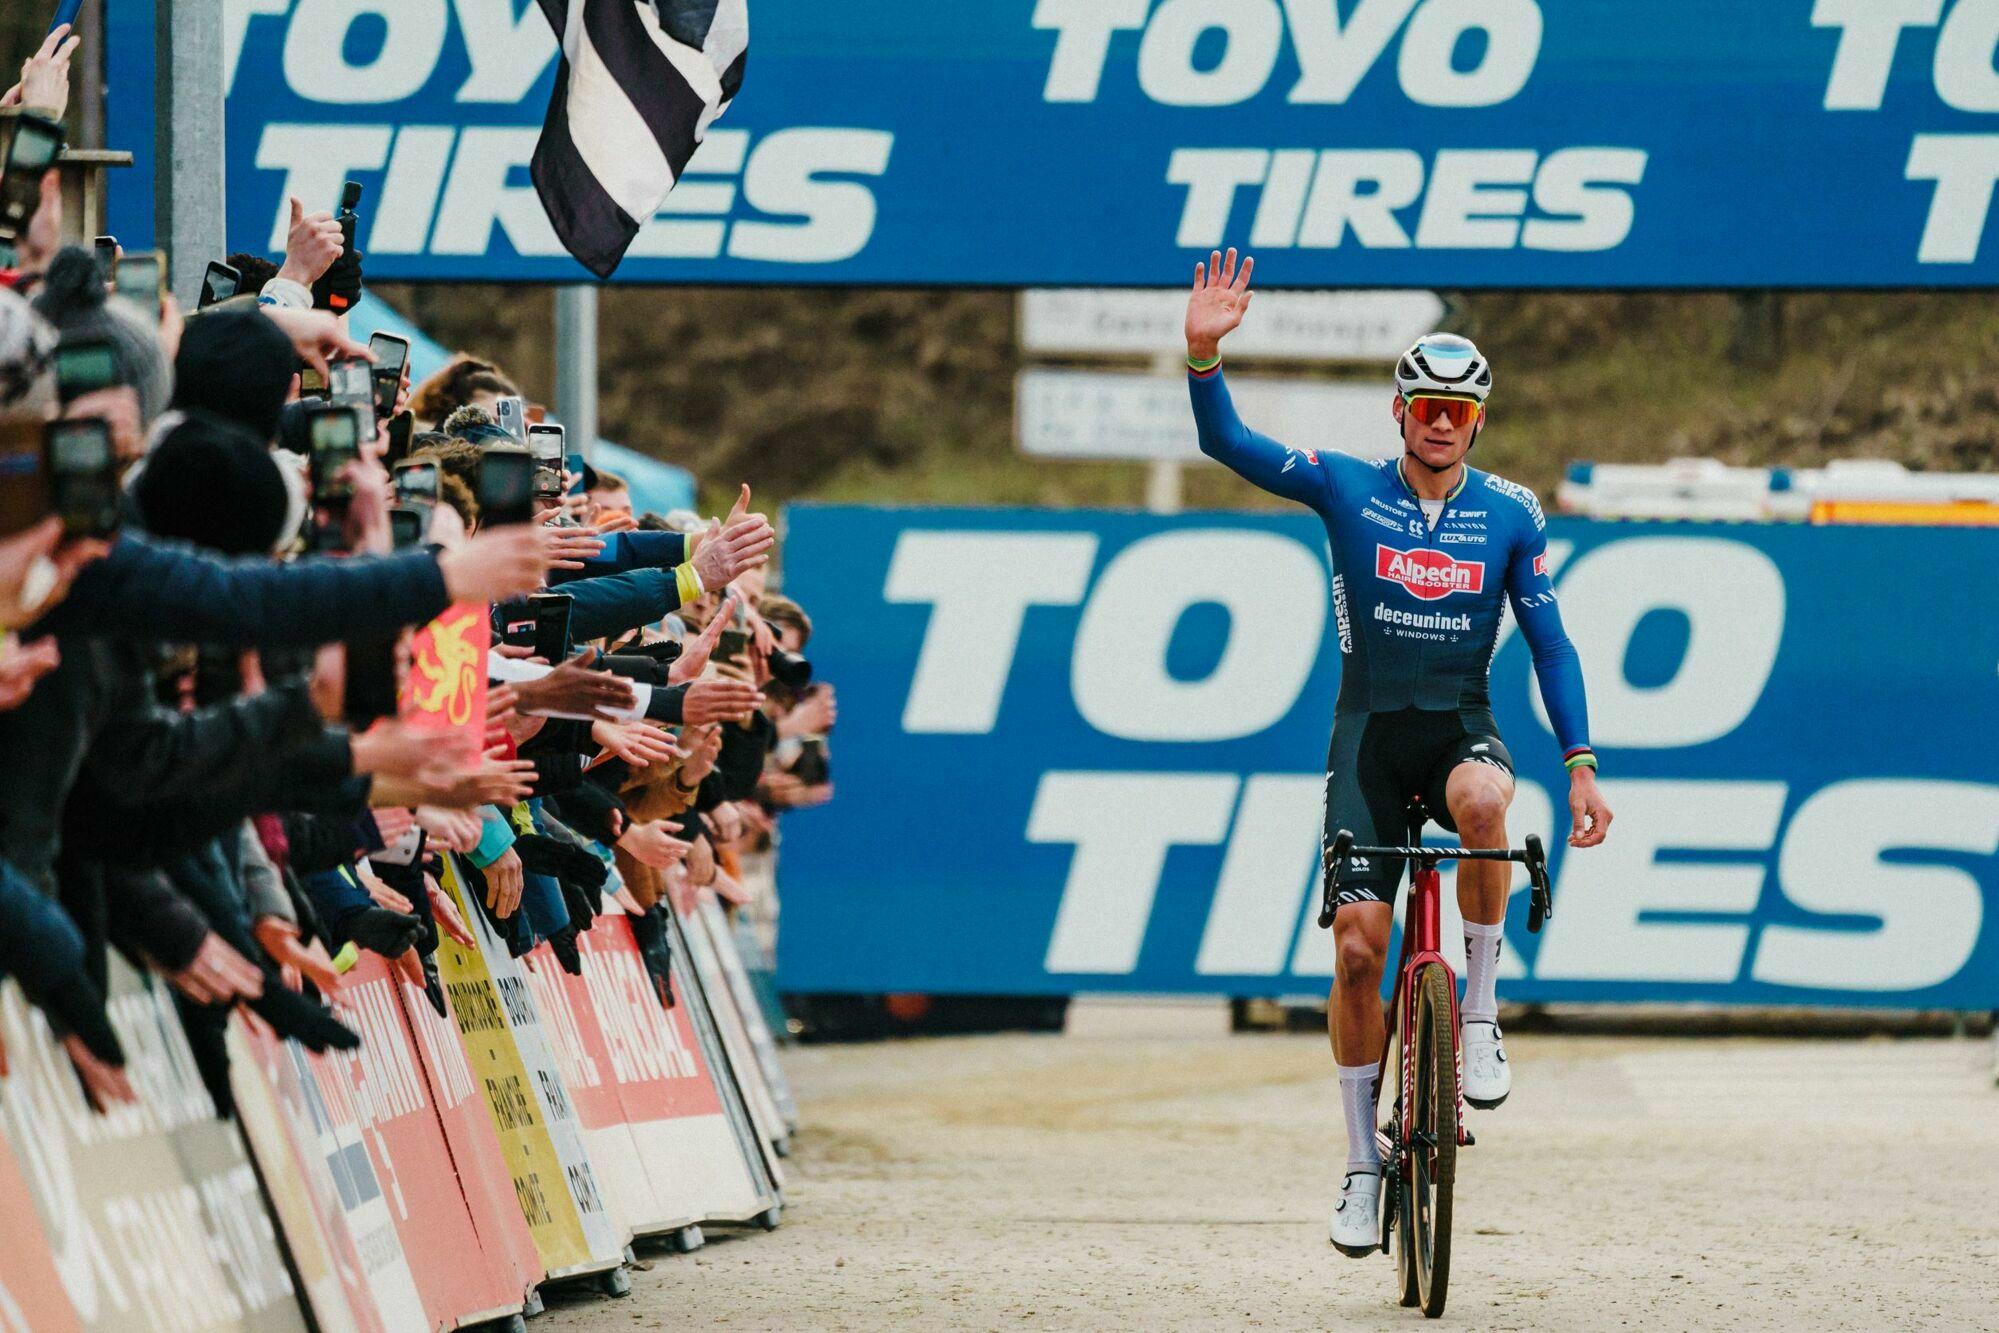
1377	763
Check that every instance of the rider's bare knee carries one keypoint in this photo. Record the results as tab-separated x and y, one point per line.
1359	961
1480	811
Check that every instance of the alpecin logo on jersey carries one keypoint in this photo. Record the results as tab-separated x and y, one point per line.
1429	574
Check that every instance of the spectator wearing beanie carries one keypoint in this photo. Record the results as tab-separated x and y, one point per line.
210	483
235	363
73	299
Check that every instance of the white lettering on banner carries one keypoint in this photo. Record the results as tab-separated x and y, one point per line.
1512	30
979	585
1083	31
477	195
783	177
1122	825
408	45
1965	77
1869	33
1733	598
1585	193
1965	168
1929	915
236	16
508	51
1333	57
1272	861
1274	589
1607	926
409	193
316	160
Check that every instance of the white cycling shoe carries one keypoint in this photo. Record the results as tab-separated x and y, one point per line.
1488	1078
1357	1216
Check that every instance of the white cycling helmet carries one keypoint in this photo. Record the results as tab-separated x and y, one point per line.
1444	363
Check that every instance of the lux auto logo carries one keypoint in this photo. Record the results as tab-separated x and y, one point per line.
1429	574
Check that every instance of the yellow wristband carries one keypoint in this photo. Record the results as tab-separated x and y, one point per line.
687	582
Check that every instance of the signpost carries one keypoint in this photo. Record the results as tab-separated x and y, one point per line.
1089	414
1291	326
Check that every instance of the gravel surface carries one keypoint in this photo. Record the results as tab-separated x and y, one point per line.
1065	1183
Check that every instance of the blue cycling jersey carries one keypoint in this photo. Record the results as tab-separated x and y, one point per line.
1417	607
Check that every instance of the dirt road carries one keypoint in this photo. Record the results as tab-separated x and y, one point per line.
1048	1182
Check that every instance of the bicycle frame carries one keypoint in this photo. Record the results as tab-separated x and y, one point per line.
1421	944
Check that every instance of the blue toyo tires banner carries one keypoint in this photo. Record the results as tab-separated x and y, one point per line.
1084	752
1399	143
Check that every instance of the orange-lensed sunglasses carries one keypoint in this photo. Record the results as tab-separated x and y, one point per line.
1427	407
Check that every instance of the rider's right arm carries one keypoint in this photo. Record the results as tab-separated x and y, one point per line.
1291	473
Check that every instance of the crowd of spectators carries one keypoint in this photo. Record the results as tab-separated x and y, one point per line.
211	754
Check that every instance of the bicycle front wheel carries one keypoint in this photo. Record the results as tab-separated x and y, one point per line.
1433	1144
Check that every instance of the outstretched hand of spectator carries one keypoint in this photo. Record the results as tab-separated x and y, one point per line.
694	653
36	569
218	974
498	563
719	700
44	84
445	913
311	245
316	336
21	665
728	548
575	686
295	958
651	845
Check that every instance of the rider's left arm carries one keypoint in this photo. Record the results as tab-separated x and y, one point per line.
1556	666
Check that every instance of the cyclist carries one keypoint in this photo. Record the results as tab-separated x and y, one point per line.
1424	551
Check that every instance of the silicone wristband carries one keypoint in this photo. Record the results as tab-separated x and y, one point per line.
1203	367
687	582
1581	761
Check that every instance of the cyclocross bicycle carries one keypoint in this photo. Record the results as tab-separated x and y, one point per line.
1419	1144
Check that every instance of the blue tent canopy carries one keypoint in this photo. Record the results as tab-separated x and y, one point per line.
655	485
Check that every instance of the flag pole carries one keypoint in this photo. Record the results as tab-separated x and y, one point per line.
576	364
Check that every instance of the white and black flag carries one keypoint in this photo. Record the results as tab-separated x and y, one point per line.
639	84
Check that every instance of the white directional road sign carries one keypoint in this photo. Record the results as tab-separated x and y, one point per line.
1146	418
1297	326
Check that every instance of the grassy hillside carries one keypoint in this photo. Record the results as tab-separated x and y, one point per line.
906	396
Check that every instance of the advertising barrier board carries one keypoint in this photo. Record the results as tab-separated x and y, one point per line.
1105	733
1369	143
154	1207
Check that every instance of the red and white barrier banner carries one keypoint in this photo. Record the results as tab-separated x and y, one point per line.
722	934
274	1107
691	999
735	1039
559	1190
151	1215
380	1095
477	1158
663	1091
32	1299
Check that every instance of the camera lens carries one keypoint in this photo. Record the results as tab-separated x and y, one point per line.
790	669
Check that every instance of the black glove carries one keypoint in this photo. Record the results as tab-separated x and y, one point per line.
77	1008
381	931
649	931
563	945
543	855
340	286
300	1019
433	985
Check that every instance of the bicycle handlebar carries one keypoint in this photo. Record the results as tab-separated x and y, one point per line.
1540	906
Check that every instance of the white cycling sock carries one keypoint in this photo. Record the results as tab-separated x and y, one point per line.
1357	1097
1482	945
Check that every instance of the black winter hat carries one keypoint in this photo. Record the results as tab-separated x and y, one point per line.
210	482
235	363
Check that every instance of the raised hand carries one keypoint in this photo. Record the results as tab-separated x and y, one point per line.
728	548
1220	298
695	652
